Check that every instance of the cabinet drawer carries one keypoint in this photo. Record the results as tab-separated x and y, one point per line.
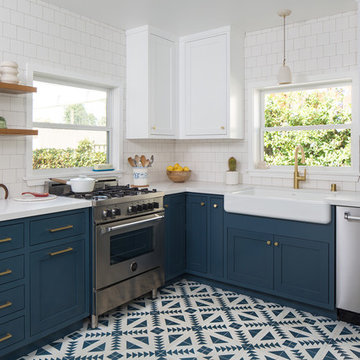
11	269
57	227
11	237
11	332
11	300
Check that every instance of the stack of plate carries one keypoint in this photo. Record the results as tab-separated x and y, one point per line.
9	72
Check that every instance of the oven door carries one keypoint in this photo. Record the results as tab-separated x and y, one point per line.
127	248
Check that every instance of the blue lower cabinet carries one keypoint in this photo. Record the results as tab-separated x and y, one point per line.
302	269
196	233
12	300
11	332
250	259
216	237
57	293
174	235
293	260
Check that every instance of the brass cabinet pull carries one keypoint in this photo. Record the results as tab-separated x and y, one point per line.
202	203
61	228
216	205
166	206
154	127
6	272
6	337
7	304
268	242
222	127
61	251
276	243
5	239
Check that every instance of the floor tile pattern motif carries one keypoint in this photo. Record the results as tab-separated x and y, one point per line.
190	321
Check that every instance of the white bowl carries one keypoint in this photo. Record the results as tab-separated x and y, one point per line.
11	64
8	70
10	79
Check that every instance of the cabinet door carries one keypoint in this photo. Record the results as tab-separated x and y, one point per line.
216	237
250	259
196	233
206	86
174	235
162	86
57	285
302	269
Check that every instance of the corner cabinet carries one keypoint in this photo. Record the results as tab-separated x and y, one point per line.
151	84
44	272
205	235
211	85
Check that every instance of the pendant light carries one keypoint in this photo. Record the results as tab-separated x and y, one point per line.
284	76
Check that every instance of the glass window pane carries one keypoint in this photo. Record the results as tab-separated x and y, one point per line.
57	148
64	104
323	106
321	147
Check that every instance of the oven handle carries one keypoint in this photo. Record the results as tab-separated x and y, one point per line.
122	226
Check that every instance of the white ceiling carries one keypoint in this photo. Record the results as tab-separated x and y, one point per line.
183	17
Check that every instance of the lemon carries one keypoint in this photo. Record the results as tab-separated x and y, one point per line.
170	168
176	165
179	168
186	168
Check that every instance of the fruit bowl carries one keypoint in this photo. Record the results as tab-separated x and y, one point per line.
178	176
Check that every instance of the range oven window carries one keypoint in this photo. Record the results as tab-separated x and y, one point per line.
129	245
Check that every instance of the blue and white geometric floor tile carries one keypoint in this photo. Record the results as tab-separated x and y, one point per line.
190	321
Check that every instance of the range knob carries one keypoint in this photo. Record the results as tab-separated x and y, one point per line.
139	208
115	212
150	206
131	209
145	206
106	213
156	205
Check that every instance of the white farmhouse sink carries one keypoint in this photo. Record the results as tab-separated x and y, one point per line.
300	205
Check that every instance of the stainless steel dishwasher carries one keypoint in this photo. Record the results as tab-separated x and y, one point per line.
348	263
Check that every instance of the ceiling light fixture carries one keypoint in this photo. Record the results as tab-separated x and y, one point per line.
284	76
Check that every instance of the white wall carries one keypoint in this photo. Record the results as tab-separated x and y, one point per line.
38	33
323	46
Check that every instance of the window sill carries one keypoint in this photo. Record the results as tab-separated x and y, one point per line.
312	174
34	180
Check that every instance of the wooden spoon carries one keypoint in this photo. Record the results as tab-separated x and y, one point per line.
137	160
147	163
151	160
143	160
131	161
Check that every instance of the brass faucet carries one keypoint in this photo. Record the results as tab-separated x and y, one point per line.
298	177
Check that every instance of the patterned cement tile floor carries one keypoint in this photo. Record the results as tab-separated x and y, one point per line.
192	321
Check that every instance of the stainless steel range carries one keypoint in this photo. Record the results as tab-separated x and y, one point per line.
128	243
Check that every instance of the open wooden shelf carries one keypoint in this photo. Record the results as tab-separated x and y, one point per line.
18	132
16	89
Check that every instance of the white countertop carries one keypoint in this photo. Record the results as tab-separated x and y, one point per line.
339	198
12	209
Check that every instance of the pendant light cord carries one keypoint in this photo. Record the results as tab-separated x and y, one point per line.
284	60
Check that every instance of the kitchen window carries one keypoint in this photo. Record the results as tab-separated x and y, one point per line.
75	120
318	116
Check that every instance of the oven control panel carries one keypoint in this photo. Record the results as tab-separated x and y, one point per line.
120	211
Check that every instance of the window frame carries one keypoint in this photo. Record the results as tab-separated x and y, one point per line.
256	102
114	108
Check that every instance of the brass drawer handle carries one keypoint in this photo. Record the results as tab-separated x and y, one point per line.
154	127
6	272
202	203
6	337
5	240
216	205
276	243
166	206
61	228
7	304
222	127
61	251
268	242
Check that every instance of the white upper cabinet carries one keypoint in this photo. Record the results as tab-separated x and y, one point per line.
150	84
211	85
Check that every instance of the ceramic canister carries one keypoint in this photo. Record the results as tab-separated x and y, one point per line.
140	176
